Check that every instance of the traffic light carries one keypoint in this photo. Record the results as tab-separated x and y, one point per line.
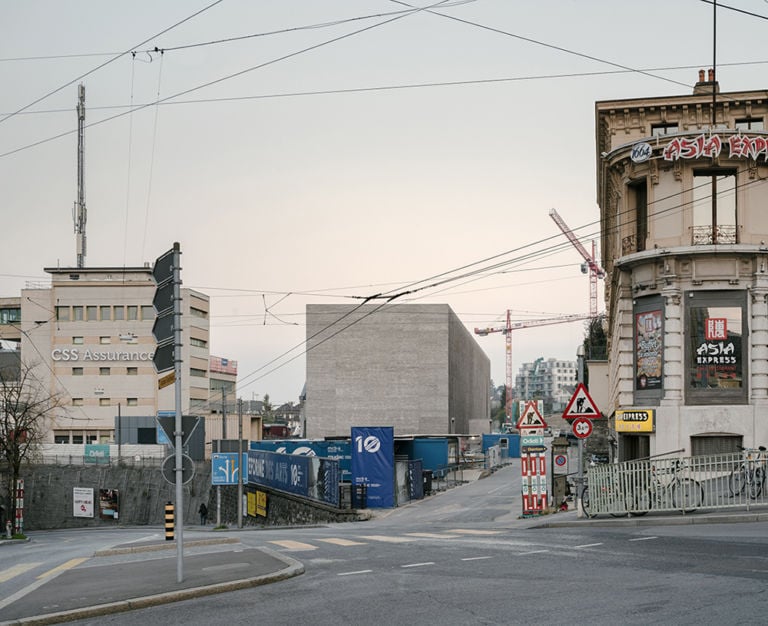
165	307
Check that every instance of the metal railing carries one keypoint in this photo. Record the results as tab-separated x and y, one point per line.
679	484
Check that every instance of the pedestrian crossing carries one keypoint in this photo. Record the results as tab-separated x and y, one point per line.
302	546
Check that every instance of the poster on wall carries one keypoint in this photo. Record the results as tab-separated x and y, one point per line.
82	502
648	350
373	464
716	353
109	506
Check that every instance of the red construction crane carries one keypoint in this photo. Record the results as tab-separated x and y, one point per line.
590	265
507	330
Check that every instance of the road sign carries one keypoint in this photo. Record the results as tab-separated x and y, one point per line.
560	464
582	427
168	424
162	271
530	417
169	469
225	469
166	380
531	440
163	329
581	405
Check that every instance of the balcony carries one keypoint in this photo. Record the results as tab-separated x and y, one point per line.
702	235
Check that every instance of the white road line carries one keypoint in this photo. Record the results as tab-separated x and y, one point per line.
588	545
467	531
643	538
419	564
477	558
432	535
532	552
386	538
294	545
362	571
342	542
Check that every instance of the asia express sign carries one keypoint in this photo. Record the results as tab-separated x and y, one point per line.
74	354
709	146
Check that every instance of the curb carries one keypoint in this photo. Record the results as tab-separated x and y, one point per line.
293	568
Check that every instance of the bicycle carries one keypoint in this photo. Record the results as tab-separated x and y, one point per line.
682	492
749	476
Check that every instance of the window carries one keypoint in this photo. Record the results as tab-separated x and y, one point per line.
77	439
119	313
106	313
104	371
62	313
147	312
133	312
659	130
8	316
132	401
104	340
61	438
714	207
198	313
77	402
705	445
200	343
750	124
90	313
77	313
132	371
197	372
78	341
716	347
90	438
105	401
638	204
77	371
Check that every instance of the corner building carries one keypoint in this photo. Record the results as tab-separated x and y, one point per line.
682	189
89	336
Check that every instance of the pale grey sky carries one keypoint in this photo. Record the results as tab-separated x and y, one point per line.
300	165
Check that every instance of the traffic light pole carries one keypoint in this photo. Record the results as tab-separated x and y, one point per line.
178	426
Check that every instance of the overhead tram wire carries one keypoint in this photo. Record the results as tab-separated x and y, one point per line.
215	81
112	60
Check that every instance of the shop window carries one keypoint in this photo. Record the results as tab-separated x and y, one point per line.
716	347
714	207
705	445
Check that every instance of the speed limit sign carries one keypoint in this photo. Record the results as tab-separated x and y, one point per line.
582	427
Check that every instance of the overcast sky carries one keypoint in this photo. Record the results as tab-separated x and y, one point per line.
319	151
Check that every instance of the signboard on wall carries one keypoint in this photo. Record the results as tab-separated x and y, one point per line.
373	464
635	421
648	349
82	502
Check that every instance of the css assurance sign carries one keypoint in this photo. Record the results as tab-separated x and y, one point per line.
74	354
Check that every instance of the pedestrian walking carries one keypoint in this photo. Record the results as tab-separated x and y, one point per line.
203	514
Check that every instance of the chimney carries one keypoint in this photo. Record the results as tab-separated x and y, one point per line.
706	86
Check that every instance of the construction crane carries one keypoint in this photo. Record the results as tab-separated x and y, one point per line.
590	265
507	330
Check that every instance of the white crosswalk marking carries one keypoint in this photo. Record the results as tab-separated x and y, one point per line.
387	539
432	535
469	531
14	571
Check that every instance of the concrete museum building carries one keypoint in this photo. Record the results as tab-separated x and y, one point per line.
414	367
682	190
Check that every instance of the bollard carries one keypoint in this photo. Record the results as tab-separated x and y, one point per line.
8	527
169	521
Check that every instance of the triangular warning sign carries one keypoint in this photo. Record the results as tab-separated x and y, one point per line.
581	405
530	417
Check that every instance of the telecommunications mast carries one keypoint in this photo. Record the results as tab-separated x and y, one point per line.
79	213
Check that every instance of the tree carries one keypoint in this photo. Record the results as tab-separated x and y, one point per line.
595	342
267	407
25	408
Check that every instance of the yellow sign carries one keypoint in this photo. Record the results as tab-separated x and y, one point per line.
251	500
166	380
635	421
261	503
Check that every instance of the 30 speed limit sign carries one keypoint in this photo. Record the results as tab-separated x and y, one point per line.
582	427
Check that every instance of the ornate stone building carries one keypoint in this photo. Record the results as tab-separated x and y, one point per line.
682	190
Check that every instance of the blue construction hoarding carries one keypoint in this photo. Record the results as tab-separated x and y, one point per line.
373	464
310	477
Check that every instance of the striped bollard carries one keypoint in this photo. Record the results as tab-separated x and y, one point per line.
169	521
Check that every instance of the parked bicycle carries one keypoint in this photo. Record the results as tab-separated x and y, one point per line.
670	488
749	476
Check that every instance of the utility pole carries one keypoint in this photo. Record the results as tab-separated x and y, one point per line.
240	463
223	437
80	212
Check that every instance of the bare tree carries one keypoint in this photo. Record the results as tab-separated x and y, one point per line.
26	405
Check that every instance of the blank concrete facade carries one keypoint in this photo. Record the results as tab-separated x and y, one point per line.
411	366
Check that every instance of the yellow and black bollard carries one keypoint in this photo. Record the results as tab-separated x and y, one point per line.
169	521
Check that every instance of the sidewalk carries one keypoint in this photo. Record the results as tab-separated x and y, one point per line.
114	585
